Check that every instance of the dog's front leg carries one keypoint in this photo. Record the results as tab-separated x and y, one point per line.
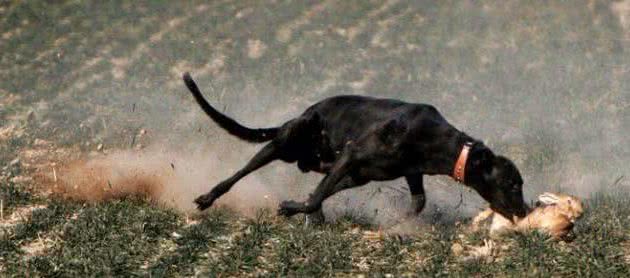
315	218
418	199
314	203
334	182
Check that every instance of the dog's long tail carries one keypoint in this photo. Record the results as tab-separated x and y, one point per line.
248	134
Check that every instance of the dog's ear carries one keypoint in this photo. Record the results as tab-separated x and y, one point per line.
482	158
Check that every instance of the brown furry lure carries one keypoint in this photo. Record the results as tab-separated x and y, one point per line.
555	215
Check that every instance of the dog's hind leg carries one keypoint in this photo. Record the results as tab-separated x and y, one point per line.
288	135
418	199
268	153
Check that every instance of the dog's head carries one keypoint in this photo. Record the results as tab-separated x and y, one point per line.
499	182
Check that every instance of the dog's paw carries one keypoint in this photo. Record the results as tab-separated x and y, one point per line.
204	201
288	208
315	218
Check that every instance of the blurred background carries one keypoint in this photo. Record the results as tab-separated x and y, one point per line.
546	83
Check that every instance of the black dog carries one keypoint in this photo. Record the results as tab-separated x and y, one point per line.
355	139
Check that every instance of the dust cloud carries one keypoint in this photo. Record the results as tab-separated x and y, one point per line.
547	87
164	176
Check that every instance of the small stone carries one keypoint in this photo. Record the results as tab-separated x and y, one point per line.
99	147
21	179
40	142
175	235
14	162
457	249
255	49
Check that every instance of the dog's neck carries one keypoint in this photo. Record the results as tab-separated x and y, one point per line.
440	157
467	151
459	170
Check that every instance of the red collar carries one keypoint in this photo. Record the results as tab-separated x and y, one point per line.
459	172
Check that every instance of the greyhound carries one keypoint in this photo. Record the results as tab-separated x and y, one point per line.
353	140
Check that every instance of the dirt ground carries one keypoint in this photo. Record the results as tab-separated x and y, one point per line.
102	149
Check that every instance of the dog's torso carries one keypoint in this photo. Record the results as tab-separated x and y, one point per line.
418	138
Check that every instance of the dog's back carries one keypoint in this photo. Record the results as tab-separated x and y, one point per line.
347	117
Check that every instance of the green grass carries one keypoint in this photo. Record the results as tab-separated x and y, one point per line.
134	237
541	85
192	247
112	239
40	221
319	252
13	196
